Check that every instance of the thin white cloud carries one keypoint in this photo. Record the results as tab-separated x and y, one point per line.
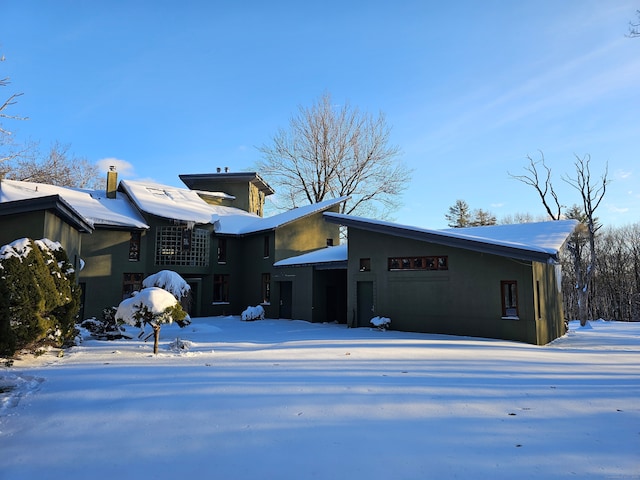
122	166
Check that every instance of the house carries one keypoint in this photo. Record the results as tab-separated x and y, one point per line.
497	281
225	253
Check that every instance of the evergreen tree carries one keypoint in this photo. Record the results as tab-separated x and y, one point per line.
40	299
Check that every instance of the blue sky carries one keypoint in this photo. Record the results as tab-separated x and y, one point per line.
470	88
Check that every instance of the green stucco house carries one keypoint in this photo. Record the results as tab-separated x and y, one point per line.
497	282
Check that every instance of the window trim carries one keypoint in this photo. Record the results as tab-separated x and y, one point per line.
512	294
266	289
220	297
418	263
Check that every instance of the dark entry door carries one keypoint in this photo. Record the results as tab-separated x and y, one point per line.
286	299
365	303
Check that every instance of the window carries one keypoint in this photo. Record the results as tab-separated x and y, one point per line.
266	288
509	298
131	282
365	264
179	245
417	263
222	250
134	247
329	242
267	247
221	288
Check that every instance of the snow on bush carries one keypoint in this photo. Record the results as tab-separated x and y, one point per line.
170	281
151	306
381	323
253	313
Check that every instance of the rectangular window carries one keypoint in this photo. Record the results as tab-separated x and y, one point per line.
222	250
329	242
509	298
134	247
131	282
221	288
267	247
266	288
365	264
418	263
179	245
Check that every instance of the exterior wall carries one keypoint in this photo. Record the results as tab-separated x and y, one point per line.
42	224
24	225
463	300
305	235
548	300
106	258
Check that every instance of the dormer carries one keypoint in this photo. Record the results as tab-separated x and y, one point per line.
243	190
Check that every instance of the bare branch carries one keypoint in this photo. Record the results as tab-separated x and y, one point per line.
545	189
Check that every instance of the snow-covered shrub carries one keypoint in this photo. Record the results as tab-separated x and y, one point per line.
381	323
173	283
40	296
253	313
152	306
106	328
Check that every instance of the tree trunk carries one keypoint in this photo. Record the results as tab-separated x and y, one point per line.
156	338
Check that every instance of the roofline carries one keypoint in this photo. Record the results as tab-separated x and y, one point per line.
251	177
330	265
49	202
443	238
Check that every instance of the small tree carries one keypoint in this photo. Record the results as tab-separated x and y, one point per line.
151	306
173	283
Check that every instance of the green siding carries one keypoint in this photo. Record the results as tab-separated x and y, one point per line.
463	300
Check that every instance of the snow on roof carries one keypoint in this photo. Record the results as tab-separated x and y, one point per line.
249	223
530	241
169	202
90	204
337	253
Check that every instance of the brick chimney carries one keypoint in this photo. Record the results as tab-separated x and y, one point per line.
112	182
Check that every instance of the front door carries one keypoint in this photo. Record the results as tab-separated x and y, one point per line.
365	304
286	299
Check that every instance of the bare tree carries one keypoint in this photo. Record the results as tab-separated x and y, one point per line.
544	189
634	28
8	150
591	195
57	167
331	151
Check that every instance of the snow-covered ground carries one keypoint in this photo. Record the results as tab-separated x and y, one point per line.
292	400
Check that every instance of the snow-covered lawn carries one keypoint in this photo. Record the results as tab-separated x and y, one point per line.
292	400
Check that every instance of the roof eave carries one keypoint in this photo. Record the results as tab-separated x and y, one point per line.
457	242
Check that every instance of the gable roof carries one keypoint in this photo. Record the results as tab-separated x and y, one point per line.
540	242
168	202
92	205
248	223
54	203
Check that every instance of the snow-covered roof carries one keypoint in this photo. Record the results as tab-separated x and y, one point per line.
539	241
90	204
169	202
324	256
232	223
